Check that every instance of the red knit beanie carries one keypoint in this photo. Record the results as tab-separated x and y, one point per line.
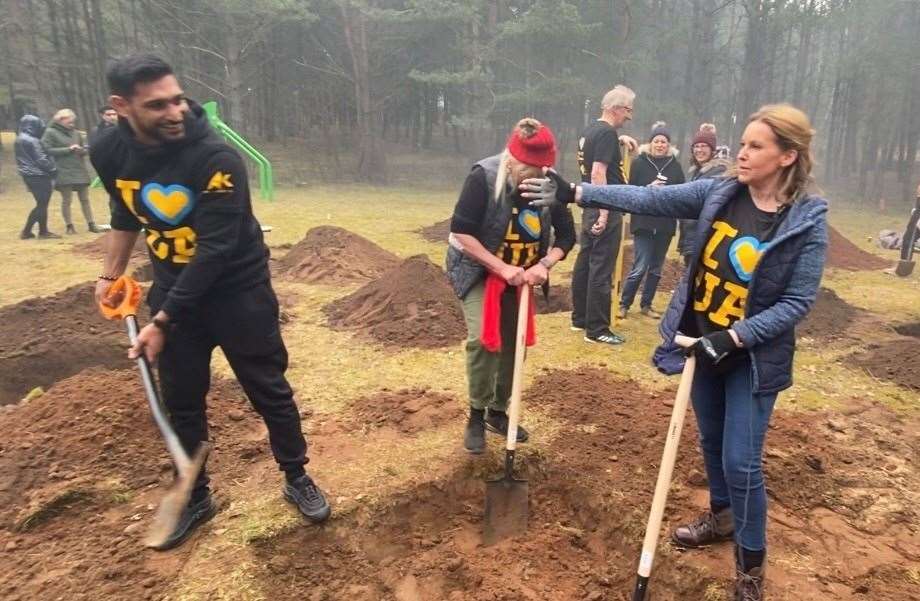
533	143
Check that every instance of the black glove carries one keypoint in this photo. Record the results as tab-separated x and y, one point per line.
715	346
544	192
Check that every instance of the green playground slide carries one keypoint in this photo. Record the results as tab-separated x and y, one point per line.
266	176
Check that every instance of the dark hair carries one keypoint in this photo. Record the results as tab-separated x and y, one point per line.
124	73
104	108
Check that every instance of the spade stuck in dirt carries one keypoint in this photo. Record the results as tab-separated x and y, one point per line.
507	497
124	297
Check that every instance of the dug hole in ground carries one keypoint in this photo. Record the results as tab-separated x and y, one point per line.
82	467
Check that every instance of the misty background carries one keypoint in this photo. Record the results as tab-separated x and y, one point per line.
347	85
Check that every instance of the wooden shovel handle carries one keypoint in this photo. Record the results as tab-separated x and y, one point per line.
517	382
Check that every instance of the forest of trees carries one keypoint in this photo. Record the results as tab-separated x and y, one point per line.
455	74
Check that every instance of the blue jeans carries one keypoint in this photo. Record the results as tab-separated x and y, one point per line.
733	421
650	250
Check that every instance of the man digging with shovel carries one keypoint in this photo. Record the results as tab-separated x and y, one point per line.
168	173
497	245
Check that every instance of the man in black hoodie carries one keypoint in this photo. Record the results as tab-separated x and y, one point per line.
168	173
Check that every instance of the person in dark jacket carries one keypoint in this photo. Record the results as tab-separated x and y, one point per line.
756	276
656	166
495	235
68	147
172	176
37	169
703	163
108	120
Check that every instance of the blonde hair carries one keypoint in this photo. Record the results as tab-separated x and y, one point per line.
63	114
618	96
793	131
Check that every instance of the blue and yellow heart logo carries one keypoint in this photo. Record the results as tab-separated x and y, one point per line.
529	220
744	254
168	203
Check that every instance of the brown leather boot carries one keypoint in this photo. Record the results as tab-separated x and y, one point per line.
749	586
705	530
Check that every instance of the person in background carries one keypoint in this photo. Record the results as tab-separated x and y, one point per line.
600	162
37	170
754	276
495	236
108	120
703	163
656	165
69	149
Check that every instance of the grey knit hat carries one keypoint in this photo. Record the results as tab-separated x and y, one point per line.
660	128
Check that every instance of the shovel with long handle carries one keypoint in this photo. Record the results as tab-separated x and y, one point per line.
624	229
507	498
127	294
668	457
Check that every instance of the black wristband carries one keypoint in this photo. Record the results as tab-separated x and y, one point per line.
162	324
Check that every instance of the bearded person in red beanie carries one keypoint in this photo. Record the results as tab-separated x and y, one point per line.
498	243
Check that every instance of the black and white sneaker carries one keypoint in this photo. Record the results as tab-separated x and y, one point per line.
576	328
194	515
607	337
308	498
497	422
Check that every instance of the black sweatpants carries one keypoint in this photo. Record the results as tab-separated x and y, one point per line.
591	276
41	187
245	326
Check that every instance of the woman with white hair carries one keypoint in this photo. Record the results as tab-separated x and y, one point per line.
498	243
68	147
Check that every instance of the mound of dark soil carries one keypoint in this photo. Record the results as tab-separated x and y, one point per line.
329	254
436	232
671	271
97	248
76	467
843	254
893	360
589	492
409	410
830	317
411	305
46	339
560	299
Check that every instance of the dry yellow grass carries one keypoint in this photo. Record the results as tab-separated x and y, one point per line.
329	369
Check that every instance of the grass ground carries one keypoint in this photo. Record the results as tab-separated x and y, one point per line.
328	368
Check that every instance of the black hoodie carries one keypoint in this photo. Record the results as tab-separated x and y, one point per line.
192	199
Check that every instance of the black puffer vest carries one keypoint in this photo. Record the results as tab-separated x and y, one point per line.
464	272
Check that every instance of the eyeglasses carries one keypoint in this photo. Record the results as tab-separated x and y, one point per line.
628	109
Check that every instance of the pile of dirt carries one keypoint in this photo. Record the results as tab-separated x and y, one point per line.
332	255
43	340
830	317
843	254
894	360
97	248
436	232
79	469
412	305
408	410
589	494
671	271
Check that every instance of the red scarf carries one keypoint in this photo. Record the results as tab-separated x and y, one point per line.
491	333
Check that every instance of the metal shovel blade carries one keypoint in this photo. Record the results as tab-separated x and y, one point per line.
507	509
904	268
175	500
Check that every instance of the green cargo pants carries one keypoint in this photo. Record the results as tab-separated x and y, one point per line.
489	374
